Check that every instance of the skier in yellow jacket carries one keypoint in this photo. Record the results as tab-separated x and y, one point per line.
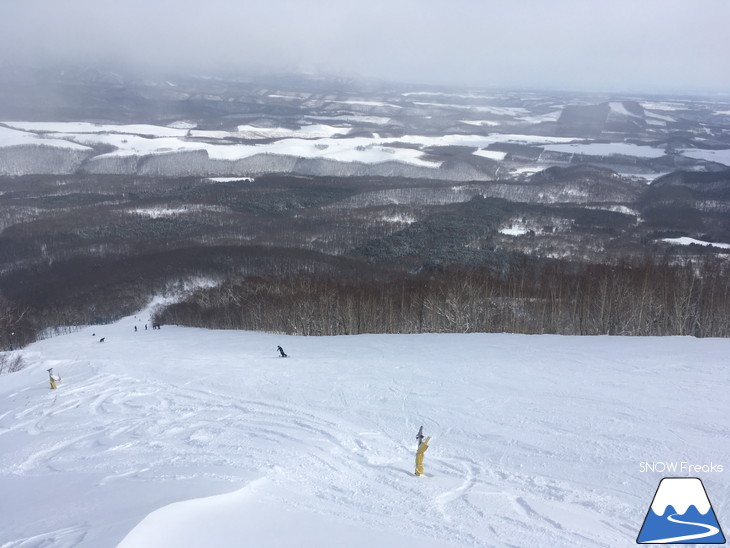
419	455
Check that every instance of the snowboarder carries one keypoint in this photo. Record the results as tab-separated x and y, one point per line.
422	446
54	380
135	328
281	352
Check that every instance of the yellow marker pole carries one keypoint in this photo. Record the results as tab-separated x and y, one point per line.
419	455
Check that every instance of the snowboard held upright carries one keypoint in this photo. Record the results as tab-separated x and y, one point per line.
422	446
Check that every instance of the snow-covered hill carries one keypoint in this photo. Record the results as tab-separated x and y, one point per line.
187	437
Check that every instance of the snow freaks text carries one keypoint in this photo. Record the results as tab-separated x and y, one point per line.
680	467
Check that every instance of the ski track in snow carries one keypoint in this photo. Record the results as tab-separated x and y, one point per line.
537	440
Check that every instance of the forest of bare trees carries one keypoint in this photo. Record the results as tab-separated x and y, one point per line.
646	298
328	256
15	331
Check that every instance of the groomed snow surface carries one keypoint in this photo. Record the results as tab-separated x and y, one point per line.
184	437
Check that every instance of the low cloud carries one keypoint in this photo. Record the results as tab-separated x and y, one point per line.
573	44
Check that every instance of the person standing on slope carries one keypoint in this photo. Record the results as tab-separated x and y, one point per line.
419	455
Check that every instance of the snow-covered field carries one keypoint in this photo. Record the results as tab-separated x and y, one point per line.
684	240
314	141
515	230
608	149
11	137
491	154
309	141
185	437
721	156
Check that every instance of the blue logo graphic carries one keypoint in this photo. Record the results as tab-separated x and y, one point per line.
681	513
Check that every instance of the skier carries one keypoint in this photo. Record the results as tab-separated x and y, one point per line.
281	351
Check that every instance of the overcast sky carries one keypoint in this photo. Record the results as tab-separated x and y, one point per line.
599	45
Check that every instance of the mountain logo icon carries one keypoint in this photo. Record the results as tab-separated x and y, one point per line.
680	513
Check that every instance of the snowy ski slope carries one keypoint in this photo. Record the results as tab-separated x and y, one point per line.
194	438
